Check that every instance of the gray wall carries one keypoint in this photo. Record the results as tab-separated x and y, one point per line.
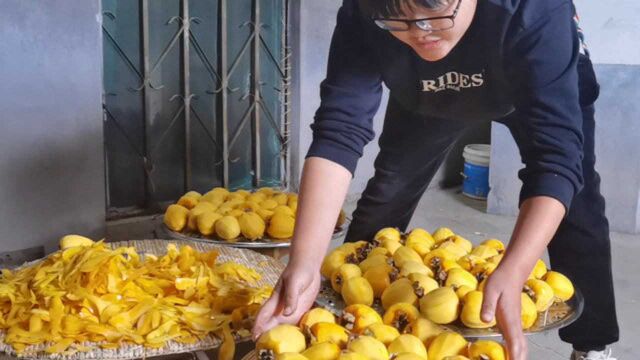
311	48
51	153
612	29
314	22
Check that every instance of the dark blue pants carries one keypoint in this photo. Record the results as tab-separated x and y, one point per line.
581	248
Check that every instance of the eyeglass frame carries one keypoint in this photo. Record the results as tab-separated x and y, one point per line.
451	17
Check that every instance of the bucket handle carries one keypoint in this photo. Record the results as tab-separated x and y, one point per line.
464	176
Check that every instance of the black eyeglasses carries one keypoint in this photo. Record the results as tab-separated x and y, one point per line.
438	23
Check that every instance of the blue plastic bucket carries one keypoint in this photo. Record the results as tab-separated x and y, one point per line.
476	171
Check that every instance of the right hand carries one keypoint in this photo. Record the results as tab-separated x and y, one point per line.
502	301
293	295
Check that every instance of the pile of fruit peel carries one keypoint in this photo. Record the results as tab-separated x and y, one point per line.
88	296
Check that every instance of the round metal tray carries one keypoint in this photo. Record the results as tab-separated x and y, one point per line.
557	316
244	243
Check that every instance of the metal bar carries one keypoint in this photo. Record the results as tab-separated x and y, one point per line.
146	67
105	153
286	116
173	121
224	94
186	79
174	40
122	131
272	120
271	56
205	129
121	52
255	95
245	46
243	121
203	57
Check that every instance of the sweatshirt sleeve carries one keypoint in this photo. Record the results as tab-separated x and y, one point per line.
350	94
543	66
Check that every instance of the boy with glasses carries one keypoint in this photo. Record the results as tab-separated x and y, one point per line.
449	64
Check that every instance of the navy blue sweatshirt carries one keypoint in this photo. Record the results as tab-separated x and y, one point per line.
517	56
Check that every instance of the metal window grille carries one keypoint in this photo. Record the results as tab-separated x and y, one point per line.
197	95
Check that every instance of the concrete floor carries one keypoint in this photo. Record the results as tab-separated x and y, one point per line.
467	218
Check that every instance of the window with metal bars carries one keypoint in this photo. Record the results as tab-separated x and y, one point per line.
196	95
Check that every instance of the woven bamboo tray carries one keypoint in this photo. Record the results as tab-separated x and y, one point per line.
269	268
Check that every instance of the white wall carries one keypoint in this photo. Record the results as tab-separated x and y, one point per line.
316	23
51	153
612	28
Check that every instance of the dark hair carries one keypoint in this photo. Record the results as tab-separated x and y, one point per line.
394	8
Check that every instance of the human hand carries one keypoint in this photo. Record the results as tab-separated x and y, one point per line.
502	301
292	296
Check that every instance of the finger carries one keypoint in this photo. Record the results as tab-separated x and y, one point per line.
489	303
292	292
266	313
270	307
306	299
511	325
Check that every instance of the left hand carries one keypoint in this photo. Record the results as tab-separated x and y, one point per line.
502	301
